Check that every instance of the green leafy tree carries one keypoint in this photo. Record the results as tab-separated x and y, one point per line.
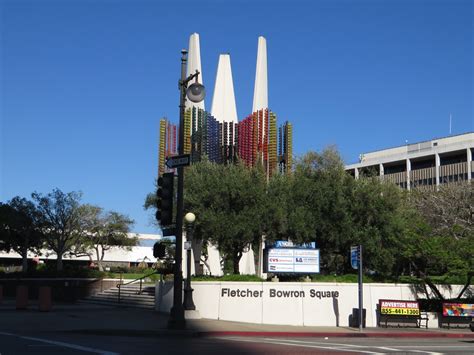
228	201
60	221
100	231
19	228
276	218
375	209
318	206
321	202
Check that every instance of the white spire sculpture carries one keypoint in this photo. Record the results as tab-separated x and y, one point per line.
194	63
260	93
223	101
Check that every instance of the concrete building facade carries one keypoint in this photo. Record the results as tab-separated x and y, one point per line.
424	164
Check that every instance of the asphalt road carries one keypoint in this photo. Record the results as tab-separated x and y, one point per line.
79	343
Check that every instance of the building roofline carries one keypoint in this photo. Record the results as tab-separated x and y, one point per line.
424	141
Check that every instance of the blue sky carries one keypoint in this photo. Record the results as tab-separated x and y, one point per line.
84	83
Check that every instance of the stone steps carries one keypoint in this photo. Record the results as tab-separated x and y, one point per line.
130	296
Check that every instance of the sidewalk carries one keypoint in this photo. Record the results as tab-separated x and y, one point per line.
121	321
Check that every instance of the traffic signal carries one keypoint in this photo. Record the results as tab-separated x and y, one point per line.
165	196
159	250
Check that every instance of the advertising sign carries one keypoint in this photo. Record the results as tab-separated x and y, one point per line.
408	308
458	309
295	259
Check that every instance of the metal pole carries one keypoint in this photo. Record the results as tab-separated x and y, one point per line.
188	303
360	289
120	283
177	320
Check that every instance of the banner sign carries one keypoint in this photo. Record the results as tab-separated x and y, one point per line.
355	257
407	308
458	309
292	260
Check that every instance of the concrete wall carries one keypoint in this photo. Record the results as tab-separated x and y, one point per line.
291	303
63	289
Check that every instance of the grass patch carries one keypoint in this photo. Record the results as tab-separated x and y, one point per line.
241	278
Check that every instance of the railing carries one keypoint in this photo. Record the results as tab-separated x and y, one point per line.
423	178
120	284
399	179
453	172
426	177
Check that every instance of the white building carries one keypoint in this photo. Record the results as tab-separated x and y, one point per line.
115	256
427	163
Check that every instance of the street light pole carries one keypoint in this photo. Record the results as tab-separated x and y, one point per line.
177	320
188	302
195	93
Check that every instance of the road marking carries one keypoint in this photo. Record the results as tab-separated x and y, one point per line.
63	344
345	346
437	346
321	343
289	343
385	348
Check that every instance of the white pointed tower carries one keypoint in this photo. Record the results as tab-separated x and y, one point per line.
223	101
194	63
260	93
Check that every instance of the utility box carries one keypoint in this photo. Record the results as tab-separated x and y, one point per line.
354	318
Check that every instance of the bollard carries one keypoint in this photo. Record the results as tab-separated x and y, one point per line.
22	297
45	299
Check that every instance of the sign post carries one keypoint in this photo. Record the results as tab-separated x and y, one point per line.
360	289
356	263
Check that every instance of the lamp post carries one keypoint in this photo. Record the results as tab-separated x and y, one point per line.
188	303
195	93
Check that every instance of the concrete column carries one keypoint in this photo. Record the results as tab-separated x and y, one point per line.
437	165
408	173
469	161
381	170
356	173
261	247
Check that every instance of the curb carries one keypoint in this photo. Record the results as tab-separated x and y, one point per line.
335	334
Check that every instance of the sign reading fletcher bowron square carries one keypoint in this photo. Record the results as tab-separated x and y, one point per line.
272	292
297	303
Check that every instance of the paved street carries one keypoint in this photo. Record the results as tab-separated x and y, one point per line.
74	343
358	345
90	329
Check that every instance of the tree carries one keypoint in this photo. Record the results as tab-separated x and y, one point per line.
100	231
439	233
321	203
59	220
228	201
449	211
19	228
375	209
315	207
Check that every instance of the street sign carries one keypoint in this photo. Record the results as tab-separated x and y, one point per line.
178	161
354	257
